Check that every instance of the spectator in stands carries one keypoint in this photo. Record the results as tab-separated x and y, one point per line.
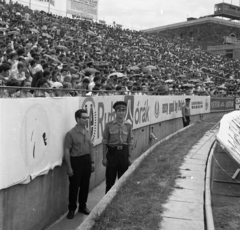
4	73
19	72
25	92
67	86
43	88
12	90
57	92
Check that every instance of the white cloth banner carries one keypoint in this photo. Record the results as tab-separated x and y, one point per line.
31	136
229	135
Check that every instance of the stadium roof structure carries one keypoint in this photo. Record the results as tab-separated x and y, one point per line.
193	23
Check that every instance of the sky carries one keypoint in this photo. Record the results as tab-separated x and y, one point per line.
145	14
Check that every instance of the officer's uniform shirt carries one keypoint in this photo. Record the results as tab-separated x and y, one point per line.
117	134
186	110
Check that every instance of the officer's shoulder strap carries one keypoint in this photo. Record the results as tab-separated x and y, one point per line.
128	122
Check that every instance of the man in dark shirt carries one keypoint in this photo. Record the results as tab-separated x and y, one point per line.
79	159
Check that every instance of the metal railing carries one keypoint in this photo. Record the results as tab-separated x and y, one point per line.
15	91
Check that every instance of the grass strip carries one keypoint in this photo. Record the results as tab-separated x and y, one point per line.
138	204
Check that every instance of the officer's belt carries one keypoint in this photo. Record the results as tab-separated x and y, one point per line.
118	147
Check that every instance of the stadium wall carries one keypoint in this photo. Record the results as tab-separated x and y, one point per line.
40	202
201	32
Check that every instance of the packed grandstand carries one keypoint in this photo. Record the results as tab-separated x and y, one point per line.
45	55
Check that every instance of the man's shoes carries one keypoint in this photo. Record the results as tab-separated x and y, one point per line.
84	211
70	215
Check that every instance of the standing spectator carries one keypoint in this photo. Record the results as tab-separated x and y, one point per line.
117	145
186	112
79	158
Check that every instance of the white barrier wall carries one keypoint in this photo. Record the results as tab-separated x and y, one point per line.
32	130
228	134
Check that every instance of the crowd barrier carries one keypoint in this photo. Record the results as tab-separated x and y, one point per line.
33	179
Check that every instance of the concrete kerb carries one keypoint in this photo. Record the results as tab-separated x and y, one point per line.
105	201
208	206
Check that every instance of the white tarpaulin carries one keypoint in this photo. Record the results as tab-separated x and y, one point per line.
229	134
31	137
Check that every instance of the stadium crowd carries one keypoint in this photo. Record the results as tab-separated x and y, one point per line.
44	55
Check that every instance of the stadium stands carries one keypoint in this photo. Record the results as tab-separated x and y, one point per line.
35	45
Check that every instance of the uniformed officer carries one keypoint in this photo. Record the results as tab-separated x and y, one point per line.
186	112
117	145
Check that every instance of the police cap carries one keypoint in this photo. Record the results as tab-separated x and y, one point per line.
188	99
120	105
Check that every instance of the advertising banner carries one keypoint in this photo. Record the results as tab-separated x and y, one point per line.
229	135
141	111
166	108
32	130
222	104
83	8
100	110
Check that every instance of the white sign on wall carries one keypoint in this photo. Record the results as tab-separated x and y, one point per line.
83	8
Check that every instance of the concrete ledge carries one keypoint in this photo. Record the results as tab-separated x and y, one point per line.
208	206
101	206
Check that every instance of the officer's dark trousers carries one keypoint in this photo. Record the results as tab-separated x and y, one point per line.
185	124
82	172
117	165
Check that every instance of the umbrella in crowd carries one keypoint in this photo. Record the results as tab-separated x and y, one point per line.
91	70
90	33
13	32
34	30
118	74
62	47
169	81
52	58
188	85
134	68
46	35
151	67
3	29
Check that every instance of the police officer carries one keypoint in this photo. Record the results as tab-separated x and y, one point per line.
186	112
117	145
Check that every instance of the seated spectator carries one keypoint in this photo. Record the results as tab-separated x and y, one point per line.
67	89
96	80
19	73
4	73
12	90
43	88
25	92
57	89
